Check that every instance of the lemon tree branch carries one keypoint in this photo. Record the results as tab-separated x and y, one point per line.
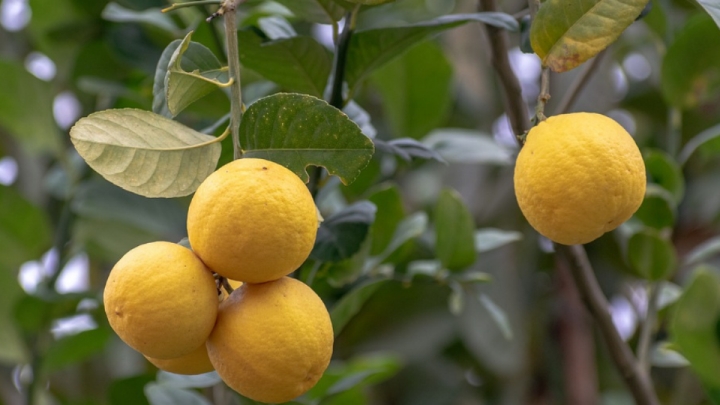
228	11
514	104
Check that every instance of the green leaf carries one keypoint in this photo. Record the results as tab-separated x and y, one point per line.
145	153
298	130
317	11
297	64
276	27
371	49
414	110
25	231
713	8
454	231
657	209
351	303
487	239
26	109
703	252
390	212
188	381
690	66
12	348
75	348
467	146
498	315
152	16
129	390
200	75
341	236
707	141
566	35
663	170
694	322
159	394
651	257
409	228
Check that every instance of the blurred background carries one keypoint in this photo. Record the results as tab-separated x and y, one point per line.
413	337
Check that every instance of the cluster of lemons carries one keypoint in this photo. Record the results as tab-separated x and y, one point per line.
254	222
578	176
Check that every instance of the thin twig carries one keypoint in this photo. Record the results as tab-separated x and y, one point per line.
226	285
646	329
514	104
635	377
233	55
543	97
578	85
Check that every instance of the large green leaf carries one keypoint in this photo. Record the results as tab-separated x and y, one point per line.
373	48
341	236
26	109
691	66
651	257
564	35
454	232
317	11
694	325
298	64
351	303
145	153
189	81
24	229
298	130
414	110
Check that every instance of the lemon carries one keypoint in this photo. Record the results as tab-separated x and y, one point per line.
272	341
578	176
161	300
253	221
195	362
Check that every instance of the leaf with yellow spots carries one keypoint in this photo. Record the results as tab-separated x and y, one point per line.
566	33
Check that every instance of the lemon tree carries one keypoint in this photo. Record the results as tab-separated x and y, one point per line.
323	202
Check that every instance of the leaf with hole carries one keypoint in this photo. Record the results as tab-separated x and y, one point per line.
371	49
298	130
651	257
184	87
297	64
454	232
694	322
341	236
564	35
145	153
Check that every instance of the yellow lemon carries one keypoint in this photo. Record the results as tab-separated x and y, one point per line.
253	221
195	362
578	176
161	300
272	341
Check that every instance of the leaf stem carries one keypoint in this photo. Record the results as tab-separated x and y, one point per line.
645	340
543	97
515	106
176	6
635	377
233	54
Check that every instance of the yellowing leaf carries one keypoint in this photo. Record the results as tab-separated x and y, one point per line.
564	34
145	153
